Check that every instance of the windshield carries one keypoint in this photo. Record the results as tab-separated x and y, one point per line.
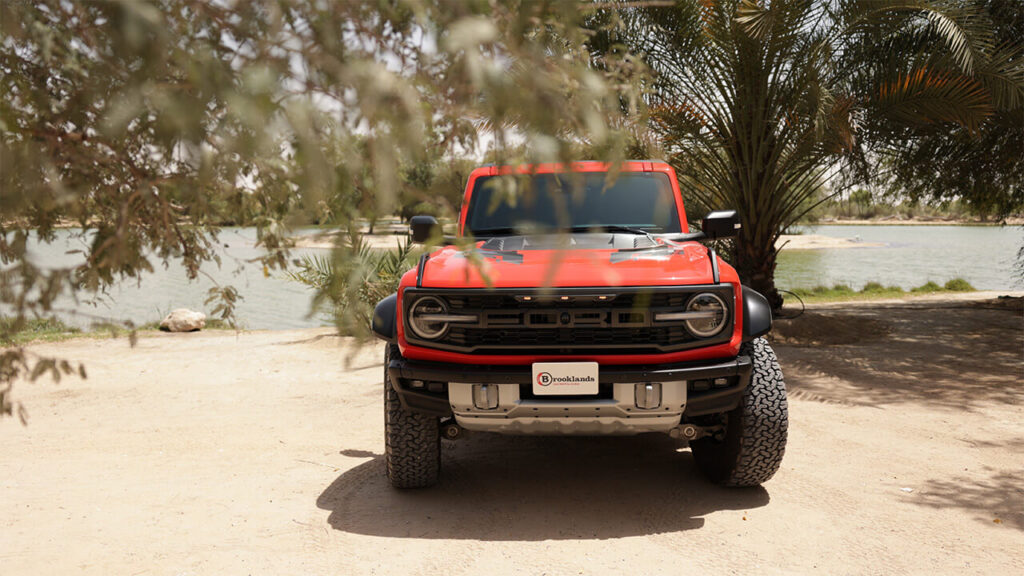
546	203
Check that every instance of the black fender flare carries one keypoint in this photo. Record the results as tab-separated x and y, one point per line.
385	314
757	315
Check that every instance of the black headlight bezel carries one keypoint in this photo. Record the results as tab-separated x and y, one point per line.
419	330
718	329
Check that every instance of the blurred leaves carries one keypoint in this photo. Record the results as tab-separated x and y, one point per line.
146	125
223	299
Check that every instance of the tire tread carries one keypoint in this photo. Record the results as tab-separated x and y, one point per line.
412	441
757	429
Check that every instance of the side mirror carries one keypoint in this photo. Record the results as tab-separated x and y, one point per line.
422	227
720	224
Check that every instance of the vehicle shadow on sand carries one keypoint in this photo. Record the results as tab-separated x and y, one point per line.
525	489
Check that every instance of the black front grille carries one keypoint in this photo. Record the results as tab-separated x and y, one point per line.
569	321
574	337
508	300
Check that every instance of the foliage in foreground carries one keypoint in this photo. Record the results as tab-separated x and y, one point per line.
148	123
15	332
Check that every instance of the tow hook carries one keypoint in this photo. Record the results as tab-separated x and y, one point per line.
691	432
451	430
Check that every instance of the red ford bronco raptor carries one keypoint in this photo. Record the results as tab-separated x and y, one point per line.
582	306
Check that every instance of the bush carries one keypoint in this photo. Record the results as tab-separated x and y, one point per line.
959	285
927	288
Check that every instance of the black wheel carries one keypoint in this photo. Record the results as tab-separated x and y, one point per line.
755	432
412	441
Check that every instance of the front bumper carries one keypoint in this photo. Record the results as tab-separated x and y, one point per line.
442	389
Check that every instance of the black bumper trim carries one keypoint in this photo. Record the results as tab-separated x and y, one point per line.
423	402
697	403
715	401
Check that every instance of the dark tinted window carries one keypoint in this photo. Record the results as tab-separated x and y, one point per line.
552	202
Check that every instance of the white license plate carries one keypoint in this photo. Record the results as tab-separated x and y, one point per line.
550	378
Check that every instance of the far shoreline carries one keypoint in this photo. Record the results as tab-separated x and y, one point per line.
1013	221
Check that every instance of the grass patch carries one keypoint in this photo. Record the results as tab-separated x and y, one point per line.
55	330
13	333
873	290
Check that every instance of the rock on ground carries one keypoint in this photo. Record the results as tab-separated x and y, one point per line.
183	320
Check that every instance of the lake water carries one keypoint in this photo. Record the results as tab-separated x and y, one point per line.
269	302
910	256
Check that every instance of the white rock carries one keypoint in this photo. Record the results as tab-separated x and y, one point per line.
183	320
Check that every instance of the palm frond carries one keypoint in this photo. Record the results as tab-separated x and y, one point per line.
956	39
923	96
1003	76
348	286
759	103
755	18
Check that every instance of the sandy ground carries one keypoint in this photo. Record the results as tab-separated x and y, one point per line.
260	453
818	242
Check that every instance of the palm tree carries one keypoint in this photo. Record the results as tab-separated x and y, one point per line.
759	105
350	281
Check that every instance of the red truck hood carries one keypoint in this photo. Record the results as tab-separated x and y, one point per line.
666	265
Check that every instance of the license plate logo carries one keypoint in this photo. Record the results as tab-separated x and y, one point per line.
563	378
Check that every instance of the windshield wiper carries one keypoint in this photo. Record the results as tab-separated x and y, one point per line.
612	228
619	228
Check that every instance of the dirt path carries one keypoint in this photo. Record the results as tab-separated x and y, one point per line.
259	453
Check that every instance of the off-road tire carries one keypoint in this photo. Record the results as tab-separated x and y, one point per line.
412	441
755	433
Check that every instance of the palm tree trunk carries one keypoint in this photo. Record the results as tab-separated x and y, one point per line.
755	262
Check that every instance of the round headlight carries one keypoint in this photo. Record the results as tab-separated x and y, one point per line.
712	318
420	318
